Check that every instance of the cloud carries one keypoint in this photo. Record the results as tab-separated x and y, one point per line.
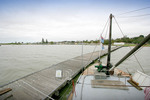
50	26
58	22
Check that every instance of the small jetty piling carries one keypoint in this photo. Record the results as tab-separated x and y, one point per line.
43	84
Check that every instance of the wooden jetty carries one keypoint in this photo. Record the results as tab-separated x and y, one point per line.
43	84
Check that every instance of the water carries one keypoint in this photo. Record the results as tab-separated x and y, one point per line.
17	61
131	65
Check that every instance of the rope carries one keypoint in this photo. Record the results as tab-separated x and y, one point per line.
90	58
129	46
106	31
82	87
96	45
37	90
104	37
99	39
134	11
135	16
82	56
105	26
119	26
137	59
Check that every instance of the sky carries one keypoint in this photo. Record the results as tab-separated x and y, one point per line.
70	20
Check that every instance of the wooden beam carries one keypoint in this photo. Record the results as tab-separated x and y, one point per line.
4	91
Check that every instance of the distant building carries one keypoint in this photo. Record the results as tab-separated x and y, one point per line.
119	43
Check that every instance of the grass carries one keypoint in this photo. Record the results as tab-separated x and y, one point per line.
67	89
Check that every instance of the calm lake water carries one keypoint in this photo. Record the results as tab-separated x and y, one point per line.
17	61
131	65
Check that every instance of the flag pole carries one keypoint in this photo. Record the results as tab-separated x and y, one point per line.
101	46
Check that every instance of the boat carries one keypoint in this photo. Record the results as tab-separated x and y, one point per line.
106	82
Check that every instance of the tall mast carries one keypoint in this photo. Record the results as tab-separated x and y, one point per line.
109	45
108	66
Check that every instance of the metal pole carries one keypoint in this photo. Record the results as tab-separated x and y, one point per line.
133	50
82	55
100	50
109	45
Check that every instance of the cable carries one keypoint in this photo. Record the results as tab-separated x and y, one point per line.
105	26
99	38
37	90
104	38
136	16
119	26
134	11
136	58
96	45
82	87
129	46
106	32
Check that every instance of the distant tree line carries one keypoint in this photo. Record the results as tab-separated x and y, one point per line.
44	41
125	39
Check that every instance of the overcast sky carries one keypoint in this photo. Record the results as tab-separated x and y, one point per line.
60	20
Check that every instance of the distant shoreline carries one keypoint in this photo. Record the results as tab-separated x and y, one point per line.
126	45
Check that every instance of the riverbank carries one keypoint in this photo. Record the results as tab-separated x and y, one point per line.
126	45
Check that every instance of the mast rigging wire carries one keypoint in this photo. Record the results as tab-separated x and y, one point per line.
104	38
143	15
106	26
133	11
129	46
99	39
96	45
37	90
106	31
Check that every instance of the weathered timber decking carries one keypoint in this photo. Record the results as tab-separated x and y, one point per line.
43	84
